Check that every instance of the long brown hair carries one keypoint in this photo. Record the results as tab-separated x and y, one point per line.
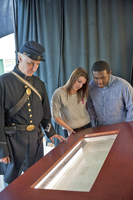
83	91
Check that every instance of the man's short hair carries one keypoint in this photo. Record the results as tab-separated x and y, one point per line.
100	66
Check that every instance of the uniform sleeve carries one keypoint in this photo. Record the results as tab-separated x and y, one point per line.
46	122
128	101
4	152
55	105
91	111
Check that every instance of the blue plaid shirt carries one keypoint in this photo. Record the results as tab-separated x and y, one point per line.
111	104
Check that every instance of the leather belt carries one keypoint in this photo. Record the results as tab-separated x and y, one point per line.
83	127
30	127
12	129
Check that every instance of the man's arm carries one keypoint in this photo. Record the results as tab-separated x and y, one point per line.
128	101
91	111
4	152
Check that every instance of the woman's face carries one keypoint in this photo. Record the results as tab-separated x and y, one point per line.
78	84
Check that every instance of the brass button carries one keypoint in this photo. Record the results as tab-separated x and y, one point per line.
30	115
28	91
30	122
28	104
29	110
26	86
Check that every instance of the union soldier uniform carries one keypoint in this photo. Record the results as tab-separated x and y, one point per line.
23	113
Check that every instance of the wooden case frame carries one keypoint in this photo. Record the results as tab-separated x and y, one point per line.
114	181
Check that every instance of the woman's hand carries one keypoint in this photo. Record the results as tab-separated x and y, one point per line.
71	131
63	124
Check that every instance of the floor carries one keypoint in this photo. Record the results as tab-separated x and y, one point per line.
47	149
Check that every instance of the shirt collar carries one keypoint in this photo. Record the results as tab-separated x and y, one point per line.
112	82
109	83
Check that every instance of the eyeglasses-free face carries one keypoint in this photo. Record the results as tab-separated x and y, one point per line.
101	78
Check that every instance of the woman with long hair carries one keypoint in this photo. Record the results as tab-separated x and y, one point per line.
68	103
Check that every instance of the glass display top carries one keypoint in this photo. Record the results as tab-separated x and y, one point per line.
78	170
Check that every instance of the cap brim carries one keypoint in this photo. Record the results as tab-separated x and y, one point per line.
36	58
42	60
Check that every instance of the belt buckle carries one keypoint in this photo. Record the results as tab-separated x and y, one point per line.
30	127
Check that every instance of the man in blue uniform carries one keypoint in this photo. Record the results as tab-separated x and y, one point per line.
110	98
24	111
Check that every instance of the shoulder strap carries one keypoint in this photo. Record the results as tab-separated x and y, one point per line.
12	111
17	107
26	83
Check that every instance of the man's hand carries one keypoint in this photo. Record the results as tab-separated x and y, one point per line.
59	137
5	160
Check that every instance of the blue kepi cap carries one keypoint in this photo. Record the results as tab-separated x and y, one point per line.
33	50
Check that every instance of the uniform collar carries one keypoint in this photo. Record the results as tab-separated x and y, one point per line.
20	73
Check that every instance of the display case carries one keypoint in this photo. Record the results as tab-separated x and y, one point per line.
94	163
78	170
